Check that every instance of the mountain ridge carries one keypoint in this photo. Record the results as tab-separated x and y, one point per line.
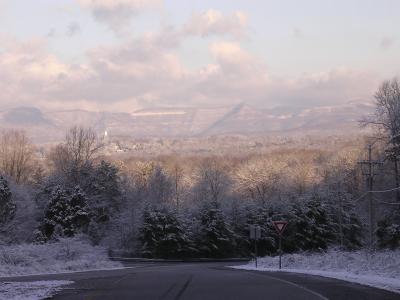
50	126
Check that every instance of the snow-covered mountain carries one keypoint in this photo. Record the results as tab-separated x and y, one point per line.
183	122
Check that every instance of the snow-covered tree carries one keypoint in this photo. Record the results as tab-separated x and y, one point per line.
388	231
212	181
79	215
263	217
7	206
66	213
215	237
56	212
160	189
104	191
21	227
310	227
162	234
260	179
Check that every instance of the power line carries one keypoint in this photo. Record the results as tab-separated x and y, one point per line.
383	191
368	168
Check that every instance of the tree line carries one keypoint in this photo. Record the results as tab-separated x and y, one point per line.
192	206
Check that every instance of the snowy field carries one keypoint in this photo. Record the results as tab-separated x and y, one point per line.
30	290
380	269
63	256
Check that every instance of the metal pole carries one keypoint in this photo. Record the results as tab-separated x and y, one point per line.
370	198
280	251
256	251
340	216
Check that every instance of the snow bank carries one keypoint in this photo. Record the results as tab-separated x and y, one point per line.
75	254
379	269
30	290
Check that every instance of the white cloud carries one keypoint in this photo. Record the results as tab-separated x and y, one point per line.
297	33
73	29
387	42
117	14
332	87
213	22
147	72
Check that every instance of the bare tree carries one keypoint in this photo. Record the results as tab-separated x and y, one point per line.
16	153
79	148
81	144
178	180
387	120
260	178
212	180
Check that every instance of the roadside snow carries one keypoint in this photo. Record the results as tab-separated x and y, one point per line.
30	290
63	256
379	269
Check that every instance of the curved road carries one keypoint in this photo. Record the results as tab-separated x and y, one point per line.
205	281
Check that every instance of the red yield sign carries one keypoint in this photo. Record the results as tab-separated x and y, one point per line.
280	226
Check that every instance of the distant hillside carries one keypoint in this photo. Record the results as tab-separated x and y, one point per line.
187	122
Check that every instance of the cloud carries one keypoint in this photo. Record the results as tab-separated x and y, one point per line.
147	72
213	22
297	33
51	33
387	42
117	14
30	74
336	86
73	29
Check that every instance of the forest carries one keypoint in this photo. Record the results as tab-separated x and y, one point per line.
185	206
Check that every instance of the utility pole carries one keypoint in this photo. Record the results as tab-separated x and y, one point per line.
393	152
340	215
255	234
368	170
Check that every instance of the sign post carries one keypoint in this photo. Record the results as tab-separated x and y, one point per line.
280	227
255	234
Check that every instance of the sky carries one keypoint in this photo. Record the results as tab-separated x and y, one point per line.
126	55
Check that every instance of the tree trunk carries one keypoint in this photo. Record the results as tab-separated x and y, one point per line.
396	175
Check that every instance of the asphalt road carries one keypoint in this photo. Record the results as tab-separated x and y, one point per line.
205	281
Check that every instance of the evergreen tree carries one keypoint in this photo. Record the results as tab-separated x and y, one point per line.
159	186
388	231
56	212
263	217
310	227
104	192
347	226
216	239
162	234
66	213
78	215
352	228
7	206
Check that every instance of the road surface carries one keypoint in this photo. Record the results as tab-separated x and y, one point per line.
204	281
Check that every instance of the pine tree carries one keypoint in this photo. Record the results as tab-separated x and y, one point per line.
104	192
388	231
216	239
162	234
263	217
66	213
310	227
351	226
7	206
78	214
56	212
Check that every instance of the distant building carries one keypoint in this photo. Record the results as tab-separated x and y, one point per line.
106	138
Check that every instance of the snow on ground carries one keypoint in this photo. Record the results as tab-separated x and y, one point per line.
379	269
30	290
66	255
